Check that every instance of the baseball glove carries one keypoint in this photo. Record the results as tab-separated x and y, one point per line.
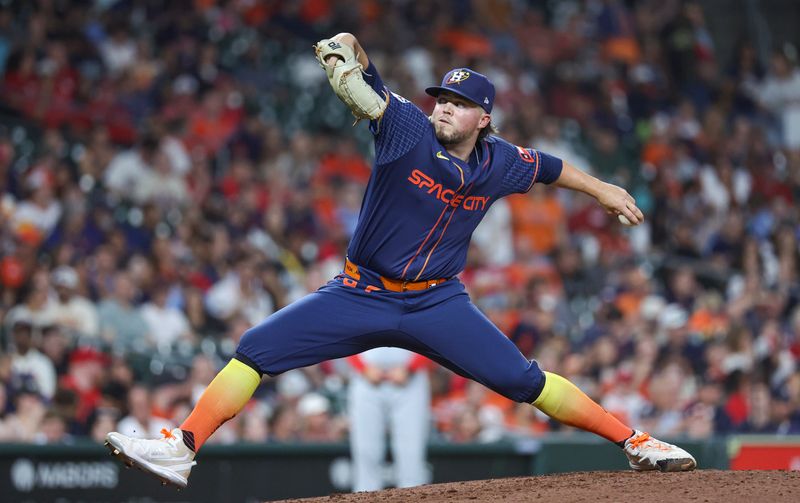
344	75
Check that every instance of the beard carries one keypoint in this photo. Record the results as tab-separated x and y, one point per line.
449	138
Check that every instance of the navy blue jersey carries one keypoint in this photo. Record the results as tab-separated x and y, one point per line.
422	204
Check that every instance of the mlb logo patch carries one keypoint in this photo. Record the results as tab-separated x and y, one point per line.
524	154
458	76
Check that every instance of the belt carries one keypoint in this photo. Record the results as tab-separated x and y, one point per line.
394	285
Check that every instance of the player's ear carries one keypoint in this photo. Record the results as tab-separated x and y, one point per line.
485	120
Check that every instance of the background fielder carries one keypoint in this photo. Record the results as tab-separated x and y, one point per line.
389	393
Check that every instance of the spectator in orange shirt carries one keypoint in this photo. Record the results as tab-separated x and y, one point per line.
343	164
213	124
538	223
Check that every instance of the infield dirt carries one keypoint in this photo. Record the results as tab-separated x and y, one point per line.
699	485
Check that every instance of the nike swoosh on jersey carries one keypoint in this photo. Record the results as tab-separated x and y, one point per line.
441	156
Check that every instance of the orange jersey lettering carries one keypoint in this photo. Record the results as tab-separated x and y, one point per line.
447	196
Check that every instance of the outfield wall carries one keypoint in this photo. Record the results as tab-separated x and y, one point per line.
265	472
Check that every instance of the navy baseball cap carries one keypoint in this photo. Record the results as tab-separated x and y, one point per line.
468	84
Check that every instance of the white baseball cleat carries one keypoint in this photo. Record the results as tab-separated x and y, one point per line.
167	458
647	453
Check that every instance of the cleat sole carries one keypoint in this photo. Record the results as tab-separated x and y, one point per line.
131	462
676	465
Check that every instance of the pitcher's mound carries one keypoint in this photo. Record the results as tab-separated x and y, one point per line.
594	487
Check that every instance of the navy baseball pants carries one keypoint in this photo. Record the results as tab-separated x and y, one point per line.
342	318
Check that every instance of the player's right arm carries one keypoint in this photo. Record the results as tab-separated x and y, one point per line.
344	61
351	41
399	125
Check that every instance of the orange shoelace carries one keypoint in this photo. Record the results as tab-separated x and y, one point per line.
641	439
644	438
167	433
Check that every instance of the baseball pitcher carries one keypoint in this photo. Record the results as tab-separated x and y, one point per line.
434	177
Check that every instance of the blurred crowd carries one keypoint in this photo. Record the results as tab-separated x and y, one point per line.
174	172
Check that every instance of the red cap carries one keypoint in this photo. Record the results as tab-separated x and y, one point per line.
88	354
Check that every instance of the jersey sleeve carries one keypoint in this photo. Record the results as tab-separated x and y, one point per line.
402	125
526	166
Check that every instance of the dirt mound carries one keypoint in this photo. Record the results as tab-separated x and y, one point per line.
591	487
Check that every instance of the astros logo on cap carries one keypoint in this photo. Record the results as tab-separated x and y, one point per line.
458	76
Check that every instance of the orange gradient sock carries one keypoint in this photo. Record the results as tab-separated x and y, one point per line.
564	402
227	394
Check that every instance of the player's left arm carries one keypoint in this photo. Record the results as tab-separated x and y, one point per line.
526	167
614	199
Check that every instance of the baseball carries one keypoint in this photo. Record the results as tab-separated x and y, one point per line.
624	220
